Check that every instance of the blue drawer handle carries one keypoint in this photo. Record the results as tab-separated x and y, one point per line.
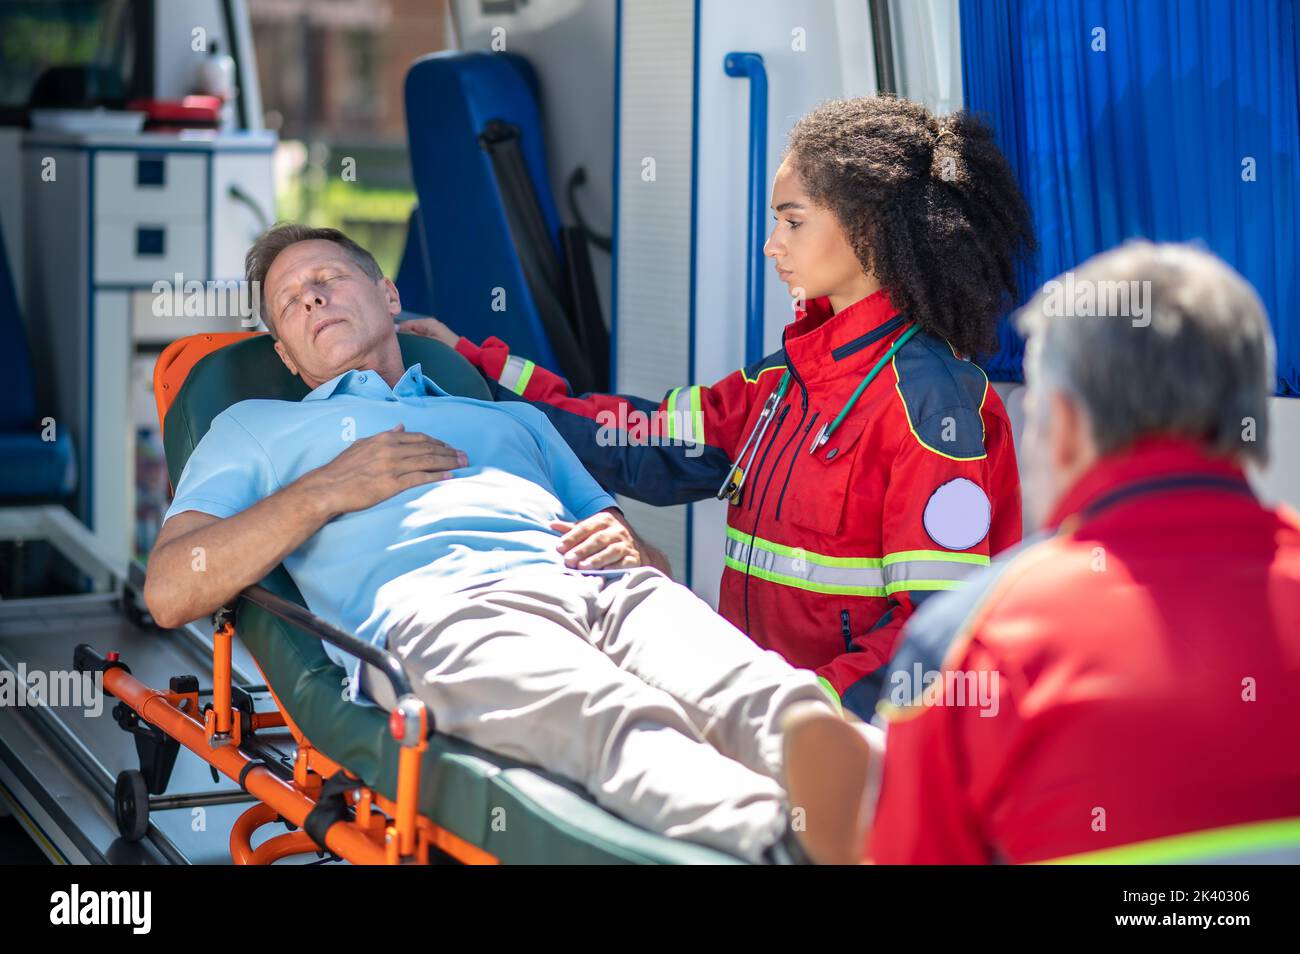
150	240
150	171
750	66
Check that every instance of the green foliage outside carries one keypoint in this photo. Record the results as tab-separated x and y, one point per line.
373	216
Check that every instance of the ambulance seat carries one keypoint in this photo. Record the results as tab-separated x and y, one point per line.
486	251
35	469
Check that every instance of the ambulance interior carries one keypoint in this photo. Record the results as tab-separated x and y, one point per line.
604	164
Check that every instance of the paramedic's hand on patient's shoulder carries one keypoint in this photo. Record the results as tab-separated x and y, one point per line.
430	328
605	541
375	468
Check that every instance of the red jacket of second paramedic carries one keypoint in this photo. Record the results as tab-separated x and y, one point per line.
827	553
1131	683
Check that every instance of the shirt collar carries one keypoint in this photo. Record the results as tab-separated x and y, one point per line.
1153	463
368	382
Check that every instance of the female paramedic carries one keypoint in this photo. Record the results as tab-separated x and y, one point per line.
867	463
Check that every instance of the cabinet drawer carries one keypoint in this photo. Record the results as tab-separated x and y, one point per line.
141	251
152	184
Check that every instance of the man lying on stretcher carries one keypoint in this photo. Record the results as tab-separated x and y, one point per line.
447	549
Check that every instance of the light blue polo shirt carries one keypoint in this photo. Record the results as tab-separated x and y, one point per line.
361	570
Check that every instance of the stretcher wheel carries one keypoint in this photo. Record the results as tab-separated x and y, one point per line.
131	805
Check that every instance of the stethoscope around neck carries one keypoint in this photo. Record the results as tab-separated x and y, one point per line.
735	479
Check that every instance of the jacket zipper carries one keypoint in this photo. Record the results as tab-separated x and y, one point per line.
789	470
803	403
846	631
752	479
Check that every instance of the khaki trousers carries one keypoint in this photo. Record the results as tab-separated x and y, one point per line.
628	684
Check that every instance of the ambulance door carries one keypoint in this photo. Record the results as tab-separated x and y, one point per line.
706	93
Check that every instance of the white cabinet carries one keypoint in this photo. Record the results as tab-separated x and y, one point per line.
106	218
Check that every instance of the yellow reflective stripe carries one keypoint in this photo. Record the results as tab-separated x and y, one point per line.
830	691
515	374
843	589
806	555
525	378
697	415
1234	839
903	586
776	566
889	559
670	405
951	556
818	573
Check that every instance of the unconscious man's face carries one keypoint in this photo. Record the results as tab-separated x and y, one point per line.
329	316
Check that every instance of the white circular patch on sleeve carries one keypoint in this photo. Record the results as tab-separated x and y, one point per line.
958	514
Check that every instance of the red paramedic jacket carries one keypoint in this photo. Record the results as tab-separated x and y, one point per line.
827	553
1147	654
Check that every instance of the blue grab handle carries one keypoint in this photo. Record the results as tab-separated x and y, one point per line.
750	65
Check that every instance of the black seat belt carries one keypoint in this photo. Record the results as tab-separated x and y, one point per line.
546	278
593	336
592	332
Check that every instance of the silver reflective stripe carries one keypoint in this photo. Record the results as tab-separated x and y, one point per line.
685	418
798	570
909	570
862	576
515	374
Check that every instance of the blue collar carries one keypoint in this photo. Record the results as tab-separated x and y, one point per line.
368	383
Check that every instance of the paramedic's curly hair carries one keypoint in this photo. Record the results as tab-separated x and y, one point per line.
929	205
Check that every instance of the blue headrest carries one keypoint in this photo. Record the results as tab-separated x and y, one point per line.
467	258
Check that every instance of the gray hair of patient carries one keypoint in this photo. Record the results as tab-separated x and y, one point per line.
1200	363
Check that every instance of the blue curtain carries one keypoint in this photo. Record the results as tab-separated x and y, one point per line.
1149	138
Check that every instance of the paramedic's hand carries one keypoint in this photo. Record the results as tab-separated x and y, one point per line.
605	541
430	328
375	468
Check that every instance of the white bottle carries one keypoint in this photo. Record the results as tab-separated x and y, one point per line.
217	78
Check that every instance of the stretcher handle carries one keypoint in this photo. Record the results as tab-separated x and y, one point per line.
750	66
292	613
